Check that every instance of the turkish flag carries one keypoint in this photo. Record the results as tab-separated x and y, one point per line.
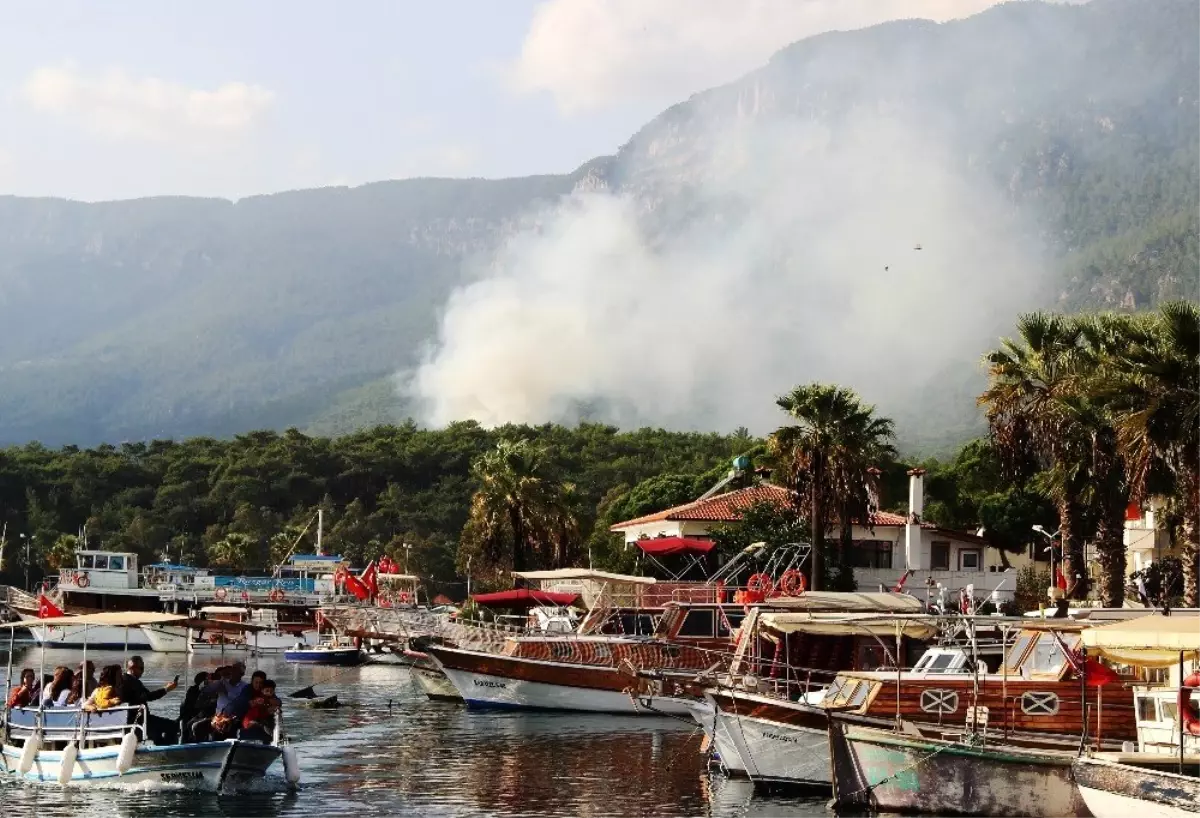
355	586
1098	675
369	578
1060	580
47	609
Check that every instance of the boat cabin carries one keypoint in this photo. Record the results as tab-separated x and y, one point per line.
100	571
397	590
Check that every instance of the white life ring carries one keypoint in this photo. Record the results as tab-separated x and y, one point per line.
82	580
221	593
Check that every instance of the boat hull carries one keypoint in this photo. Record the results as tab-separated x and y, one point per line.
346	657
435	685
771	742
207	766
99	637
488	681
1113	790
884	771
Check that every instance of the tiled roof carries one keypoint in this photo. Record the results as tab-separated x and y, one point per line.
728	508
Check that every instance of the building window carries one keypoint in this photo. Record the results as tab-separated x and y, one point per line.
939	701
969	559
939	556
872	554
1036	703
698	623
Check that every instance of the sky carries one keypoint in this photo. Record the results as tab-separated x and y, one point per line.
221	98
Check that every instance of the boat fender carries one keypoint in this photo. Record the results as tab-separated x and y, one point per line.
291	766
1187	710
29	752
67	766
128	748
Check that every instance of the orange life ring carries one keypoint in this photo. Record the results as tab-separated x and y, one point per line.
1188	711
82	580
760	585
220	594
403	597
276	595
792	583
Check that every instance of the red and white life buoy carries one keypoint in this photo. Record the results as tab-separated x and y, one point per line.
220	594
792	583
403	597
1188	711
82	580
760	587
276	595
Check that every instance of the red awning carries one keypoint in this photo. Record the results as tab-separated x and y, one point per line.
523	598
666	546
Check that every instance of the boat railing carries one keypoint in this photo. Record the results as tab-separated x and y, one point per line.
63	724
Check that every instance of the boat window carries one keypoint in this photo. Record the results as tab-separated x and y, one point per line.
1169	709
697	623
1047	655
101	563
940	662
1039	703
939	701
1146	710
731	619
848	691
1017	652
835	687
116	563
85	561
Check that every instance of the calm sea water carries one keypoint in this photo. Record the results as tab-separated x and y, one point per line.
389	751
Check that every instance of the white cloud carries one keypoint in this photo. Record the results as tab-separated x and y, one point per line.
116	105
589	53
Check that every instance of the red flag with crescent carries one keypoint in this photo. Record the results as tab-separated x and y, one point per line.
47	609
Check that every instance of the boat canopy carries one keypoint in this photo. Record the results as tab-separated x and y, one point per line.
850	602
670	546
850	624
524	598
118	619
582	573
222	609
1148	641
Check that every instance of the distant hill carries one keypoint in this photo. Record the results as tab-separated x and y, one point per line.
180	316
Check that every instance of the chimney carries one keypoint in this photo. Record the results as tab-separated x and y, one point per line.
913	551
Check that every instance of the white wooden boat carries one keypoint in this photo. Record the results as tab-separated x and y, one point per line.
68	746
257	634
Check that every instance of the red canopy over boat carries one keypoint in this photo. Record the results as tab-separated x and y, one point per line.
666	546
523	598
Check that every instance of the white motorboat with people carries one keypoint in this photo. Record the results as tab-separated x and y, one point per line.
99	740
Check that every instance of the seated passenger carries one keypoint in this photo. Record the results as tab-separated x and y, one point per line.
22	694
107	692
259	722
60	687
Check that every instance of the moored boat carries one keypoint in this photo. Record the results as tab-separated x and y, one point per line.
338	651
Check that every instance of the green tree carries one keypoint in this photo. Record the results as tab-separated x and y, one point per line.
827	457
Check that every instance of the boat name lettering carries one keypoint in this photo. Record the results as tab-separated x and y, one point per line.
487	683
191	775
778	737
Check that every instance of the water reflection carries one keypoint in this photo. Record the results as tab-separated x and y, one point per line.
390	751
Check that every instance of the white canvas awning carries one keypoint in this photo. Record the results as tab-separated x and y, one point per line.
850	624
582	574
1148	641
118	619
849	602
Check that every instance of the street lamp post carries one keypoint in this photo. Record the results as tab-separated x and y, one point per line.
28	542
1040	529
468	577
407	549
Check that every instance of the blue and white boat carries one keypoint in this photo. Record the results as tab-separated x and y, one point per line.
337	651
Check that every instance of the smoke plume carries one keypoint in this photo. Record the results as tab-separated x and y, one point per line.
867	253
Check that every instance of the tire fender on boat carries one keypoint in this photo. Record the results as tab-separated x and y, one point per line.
128	748
291	765
29	752
67	765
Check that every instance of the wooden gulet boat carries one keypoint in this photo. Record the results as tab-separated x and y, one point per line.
68	746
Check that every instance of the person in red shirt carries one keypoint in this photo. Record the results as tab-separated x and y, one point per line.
259	722
22	696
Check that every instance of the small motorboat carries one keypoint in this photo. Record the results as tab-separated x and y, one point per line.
337	651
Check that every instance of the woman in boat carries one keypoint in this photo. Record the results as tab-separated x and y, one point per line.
107	692
83	685
22	694
59	689
259	721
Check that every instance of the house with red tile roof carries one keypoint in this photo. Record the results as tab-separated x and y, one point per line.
885	547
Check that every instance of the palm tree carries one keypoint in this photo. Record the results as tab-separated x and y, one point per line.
827	456
516	510
1155	378
1032	380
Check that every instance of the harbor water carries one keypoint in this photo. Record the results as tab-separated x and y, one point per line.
389	751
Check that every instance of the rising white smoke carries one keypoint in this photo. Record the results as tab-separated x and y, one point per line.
797	261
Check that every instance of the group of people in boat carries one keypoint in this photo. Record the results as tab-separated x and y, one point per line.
219	705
